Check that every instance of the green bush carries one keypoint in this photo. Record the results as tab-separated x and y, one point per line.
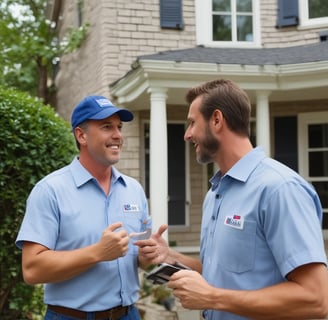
34	141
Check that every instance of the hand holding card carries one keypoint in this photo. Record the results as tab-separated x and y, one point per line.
163	272
141	235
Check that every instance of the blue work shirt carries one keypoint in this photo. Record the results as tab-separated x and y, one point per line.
261	220
68	210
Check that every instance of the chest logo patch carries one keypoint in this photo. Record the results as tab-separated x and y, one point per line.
131	208
234	221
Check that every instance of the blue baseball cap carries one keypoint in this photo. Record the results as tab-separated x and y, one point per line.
97	108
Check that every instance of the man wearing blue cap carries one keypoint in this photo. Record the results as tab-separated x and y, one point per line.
75	233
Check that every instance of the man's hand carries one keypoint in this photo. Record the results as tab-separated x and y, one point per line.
191	289
113	243
154	250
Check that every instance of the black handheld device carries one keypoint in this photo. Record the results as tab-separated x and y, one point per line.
163	272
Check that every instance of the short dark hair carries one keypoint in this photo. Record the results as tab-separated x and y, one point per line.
229	98
84	126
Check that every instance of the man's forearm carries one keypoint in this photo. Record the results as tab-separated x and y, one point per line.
191	262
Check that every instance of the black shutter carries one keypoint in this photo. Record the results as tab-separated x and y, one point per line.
171	14
287	13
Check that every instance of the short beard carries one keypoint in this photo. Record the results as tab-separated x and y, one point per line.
209	147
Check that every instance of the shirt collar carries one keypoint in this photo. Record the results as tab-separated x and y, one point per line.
242	169
82	175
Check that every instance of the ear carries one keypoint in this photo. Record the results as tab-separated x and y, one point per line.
217	118
80	135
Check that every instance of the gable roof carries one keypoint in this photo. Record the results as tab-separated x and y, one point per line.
245	56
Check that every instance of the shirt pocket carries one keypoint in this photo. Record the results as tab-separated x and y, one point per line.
236	247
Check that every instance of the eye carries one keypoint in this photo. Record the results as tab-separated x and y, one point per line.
191	123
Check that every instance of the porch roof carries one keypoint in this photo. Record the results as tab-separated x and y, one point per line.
288	74
246	56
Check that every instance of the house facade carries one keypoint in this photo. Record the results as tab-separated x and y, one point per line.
145	54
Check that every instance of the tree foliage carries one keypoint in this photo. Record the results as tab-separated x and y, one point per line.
34	141
30	48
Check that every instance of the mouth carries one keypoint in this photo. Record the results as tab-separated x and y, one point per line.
114	147
195	145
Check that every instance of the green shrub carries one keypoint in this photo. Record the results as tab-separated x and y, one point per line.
34	141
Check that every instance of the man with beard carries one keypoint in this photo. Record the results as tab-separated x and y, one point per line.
262	253
75	233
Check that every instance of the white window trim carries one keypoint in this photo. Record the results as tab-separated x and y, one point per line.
305	22
304	119
204	27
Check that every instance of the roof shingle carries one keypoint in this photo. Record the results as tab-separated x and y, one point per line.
259	56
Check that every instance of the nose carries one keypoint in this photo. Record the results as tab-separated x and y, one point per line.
187	135
117	133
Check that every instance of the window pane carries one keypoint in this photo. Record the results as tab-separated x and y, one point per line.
318	8
285	141
244	6
221	5
221	28
318	135
244	28
318	163
322	190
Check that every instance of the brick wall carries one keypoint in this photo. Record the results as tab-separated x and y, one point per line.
123	30
273	37
120	31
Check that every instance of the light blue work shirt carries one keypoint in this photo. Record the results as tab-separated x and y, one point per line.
68	210
261	220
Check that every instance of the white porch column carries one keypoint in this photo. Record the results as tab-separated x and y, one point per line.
158	175
263	121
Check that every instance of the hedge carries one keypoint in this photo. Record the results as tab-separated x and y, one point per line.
34	141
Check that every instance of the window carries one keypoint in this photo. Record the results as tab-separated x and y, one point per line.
313	13
313	156
232	23
227	23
